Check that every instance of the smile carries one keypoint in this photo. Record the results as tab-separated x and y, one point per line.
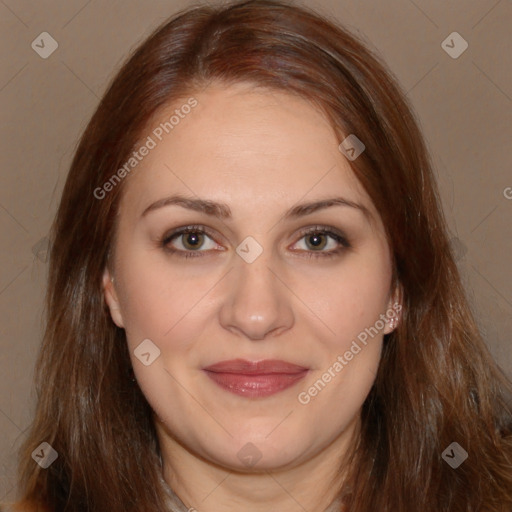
255	379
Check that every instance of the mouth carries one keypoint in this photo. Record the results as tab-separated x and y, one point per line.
256	379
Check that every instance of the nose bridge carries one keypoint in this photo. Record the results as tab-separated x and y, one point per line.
256	302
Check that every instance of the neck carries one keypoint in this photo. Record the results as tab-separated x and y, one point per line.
207	487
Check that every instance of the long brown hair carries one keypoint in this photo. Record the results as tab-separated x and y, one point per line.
436	382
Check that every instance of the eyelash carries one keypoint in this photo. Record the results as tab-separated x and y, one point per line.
324	230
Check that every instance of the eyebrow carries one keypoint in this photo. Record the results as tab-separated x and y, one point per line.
222	210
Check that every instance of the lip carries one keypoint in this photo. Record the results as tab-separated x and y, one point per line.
255	379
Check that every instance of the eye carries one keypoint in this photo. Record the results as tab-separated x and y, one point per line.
187	241
316	239
192	241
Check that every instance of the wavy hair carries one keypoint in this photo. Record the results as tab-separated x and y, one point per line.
436	383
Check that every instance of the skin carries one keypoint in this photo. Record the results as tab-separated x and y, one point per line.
261	153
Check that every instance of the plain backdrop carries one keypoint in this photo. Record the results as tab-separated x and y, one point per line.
464	106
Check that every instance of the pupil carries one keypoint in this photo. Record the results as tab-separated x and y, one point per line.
193	239
315	240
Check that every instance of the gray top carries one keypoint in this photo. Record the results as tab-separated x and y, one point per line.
174	504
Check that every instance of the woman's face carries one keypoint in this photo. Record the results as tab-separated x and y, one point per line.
256	286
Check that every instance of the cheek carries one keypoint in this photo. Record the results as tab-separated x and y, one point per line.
148	303
353	301
164	300
160	302
348	299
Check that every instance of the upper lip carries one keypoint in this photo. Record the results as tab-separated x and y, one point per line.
265	366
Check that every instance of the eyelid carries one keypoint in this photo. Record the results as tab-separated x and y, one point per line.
339	235
174	233
329	231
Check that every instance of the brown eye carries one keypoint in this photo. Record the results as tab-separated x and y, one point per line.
188	241
316	241
192	240
322	241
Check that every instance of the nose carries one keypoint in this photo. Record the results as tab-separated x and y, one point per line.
257	304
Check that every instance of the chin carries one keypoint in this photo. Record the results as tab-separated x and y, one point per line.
268	448
250	458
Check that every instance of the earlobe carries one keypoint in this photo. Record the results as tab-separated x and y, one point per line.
394	311
111	299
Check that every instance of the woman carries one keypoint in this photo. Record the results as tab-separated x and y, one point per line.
252	300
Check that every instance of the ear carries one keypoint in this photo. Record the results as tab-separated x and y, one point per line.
394	309
111	299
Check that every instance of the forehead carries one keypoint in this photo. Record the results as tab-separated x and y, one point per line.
244	146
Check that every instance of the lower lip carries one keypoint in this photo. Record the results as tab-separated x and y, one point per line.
255	386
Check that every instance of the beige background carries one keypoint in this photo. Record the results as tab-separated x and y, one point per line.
464	106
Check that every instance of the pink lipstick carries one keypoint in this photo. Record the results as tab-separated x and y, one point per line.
255	379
